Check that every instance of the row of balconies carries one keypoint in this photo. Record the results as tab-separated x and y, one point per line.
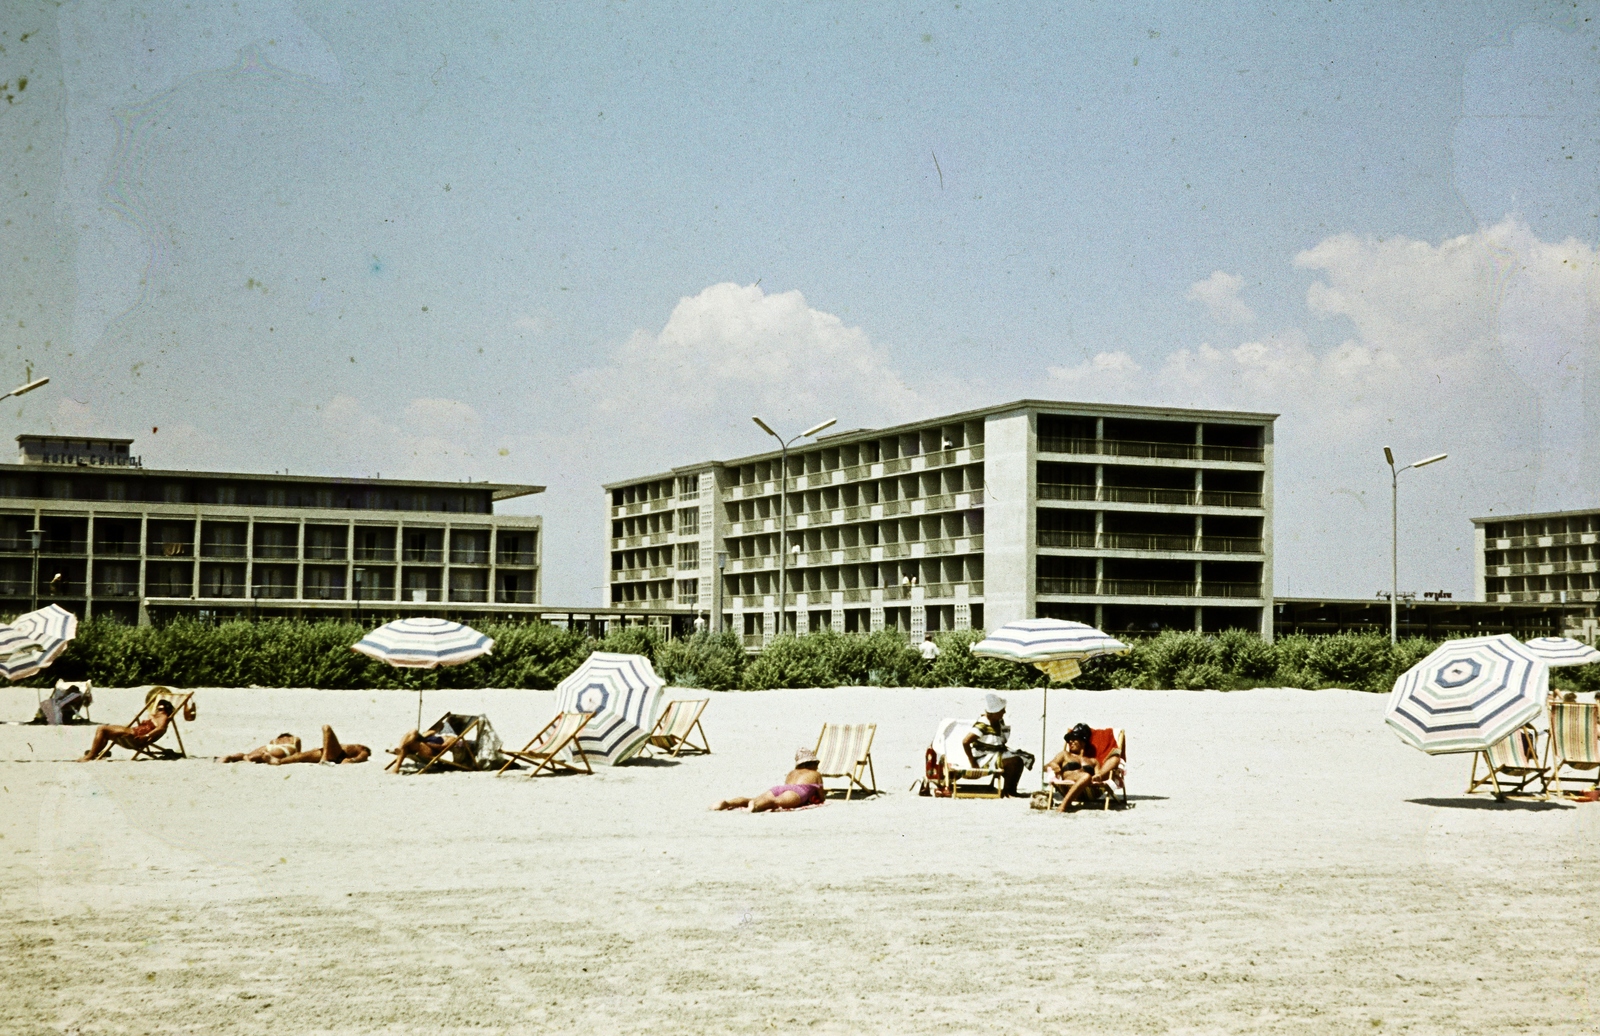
1143	495
1565	539
274	552
1160	450
863	552
1544	596
1149	541
647	506
857	472
1144	588
862	512
861	595
1548	568
128	590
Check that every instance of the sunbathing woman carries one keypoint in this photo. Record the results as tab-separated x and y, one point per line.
280	747
331	752
142	734
1076	769
421	745
803	787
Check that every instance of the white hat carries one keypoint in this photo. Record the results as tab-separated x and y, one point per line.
993	703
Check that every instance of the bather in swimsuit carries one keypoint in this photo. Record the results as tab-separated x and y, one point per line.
810	794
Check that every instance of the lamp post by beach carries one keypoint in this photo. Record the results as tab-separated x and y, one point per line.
35	537
1394	535
783	506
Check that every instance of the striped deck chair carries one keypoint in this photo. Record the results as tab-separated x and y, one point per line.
677	725
154	749
1573	745
543	752
961	779
474	748
1511	766
845	751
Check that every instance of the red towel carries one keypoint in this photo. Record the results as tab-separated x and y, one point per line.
1104	742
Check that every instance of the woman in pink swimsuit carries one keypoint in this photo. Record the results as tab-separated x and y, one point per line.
803	787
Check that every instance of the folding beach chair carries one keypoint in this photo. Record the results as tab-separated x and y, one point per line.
844	751
675	727
64	703
474	747
1511	766
544	751
154	749
1114	791
962	780
1572	746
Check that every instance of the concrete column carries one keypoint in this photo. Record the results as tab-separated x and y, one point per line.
144	550
1010	518
88	568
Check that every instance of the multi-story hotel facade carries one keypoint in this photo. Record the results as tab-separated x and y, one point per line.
115	538
1132	518
1551	558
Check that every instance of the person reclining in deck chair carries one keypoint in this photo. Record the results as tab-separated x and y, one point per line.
423	745
142	734
1078	769
986	746
331	752
280	747
803	787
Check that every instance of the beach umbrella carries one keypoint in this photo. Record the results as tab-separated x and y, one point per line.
622	694
423	643
1560	651
1055	646
34	640
1468	694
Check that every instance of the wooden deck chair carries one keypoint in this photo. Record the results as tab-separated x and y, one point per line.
154	749
1572	746
543	750
844	751
677	725
1511	766
457	751
1114	792
961	779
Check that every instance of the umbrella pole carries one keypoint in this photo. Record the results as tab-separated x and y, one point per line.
1044	734
419	709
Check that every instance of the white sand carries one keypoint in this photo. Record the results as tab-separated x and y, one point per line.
1289	867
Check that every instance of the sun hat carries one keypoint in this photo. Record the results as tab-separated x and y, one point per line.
804	755
993	703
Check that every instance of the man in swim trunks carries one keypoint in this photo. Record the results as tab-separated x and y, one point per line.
803	787
331	752
141	735
280	747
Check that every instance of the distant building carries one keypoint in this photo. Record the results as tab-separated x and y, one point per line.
1549	558
1132	518
119	539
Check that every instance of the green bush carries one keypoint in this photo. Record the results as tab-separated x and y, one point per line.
1359	661
957	666
1185	653
1245	659
712	661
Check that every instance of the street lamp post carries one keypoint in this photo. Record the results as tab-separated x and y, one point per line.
22	390
783	506
1394	535
35	536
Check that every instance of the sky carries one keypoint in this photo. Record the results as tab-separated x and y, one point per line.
565	244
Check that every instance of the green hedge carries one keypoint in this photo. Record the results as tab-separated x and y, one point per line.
292	653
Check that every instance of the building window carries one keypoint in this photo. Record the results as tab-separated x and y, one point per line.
172	493
227	495
688	556
689	520
688	591
689	487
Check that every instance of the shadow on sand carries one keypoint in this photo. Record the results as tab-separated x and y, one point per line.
1522	804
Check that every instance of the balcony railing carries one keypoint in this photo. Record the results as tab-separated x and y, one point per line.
263	592
168	589
116	548
516	557
469	596
1065	538
374	554
222	550
514	597
64	588
754	640
324	593
468	556
221	590
1147	541
1148	588
118	589
426	555
1146	495
318	552
1059	585
897	593
1231	544
1066	491
277	550
1211	589
57	548
1163	450
171	549
1222	498
690	599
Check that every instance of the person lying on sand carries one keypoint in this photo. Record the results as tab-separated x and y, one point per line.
421	745
803	787
142	734
331	752
280	747
1076	769
986	746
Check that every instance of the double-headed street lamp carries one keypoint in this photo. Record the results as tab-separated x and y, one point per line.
783	508
35	534
1394	535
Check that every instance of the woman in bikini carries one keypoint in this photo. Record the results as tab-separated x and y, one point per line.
1075	768
803	787
280	747
331	752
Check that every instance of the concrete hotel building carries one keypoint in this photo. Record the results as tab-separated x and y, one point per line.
1132	518
117	539
1540	558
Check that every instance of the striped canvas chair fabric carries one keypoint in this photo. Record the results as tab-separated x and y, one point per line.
1573	744
544	750
676	727
1512	765
844	751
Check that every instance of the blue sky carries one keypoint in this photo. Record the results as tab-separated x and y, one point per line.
570	243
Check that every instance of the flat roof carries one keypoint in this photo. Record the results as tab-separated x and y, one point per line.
1540	514
1078	409
501	490
1420	602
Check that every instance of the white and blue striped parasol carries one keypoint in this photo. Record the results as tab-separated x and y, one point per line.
1560	651
1468	694
623	695
34	640
423	643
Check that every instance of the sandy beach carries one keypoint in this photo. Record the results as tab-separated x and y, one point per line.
1288	866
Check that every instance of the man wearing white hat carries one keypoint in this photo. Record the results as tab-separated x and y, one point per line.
986	745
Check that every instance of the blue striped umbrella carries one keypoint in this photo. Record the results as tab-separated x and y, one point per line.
423	643
623	695
1468	694
1559	651
1055	646
35	640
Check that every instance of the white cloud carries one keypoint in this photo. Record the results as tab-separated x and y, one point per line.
1104	376
430	438
1219	293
